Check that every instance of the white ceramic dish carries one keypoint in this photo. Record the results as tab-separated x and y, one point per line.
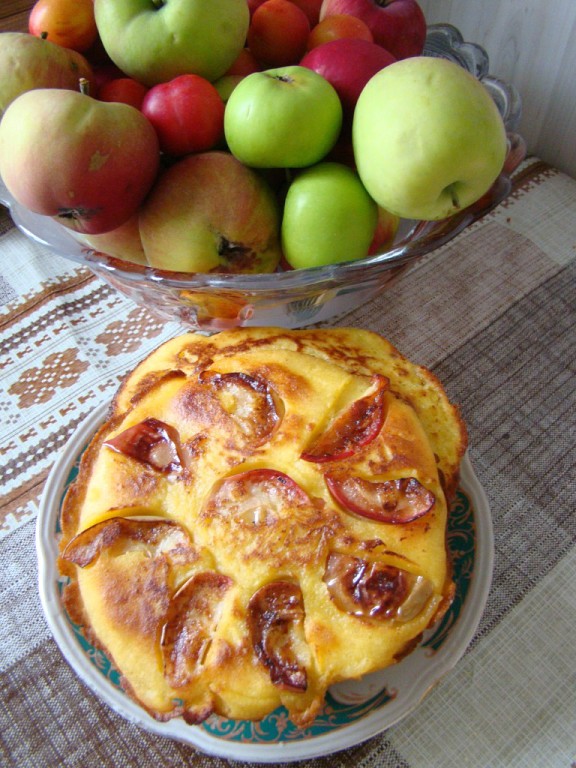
355	711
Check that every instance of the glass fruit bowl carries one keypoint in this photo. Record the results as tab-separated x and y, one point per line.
300	297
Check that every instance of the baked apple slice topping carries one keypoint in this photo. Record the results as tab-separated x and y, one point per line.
256	497
375	590
275	623
120	534
192	617
151	442
356	426
387	501
249	400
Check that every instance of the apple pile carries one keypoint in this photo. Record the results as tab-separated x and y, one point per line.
239	135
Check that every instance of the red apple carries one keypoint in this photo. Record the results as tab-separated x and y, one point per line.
244	64
347	64
278	33
335	27
210	213
311	8
397	25
123	89
102	74
187	113
86	162
386	229
253	4
69	23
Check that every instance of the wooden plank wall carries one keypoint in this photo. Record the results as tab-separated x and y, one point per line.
532	45
14	15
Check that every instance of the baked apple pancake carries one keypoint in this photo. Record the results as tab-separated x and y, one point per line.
262	515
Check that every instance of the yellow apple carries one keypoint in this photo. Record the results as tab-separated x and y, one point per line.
428	138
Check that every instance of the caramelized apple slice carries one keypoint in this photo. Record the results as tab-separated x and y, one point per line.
357	426
375	590
191	619
275	616
151	442
156	535
256	497
387	501
249	400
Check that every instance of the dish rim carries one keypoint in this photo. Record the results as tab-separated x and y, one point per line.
372	724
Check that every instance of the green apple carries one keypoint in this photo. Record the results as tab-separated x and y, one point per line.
154	41
28	62
210	213
428	139
328	217
288	117
226	84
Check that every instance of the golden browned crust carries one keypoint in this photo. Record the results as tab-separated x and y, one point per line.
263	514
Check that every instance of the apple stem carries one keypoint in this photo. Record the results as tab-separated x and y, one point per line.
84	86
158	3
283	78
229	249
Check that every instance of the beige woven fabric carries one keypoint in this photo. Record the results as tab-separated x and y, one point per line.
493	314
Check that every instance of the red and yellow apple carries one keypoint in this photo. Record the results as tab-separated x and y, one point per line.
28	62
123	243
69	23
210	213
86	162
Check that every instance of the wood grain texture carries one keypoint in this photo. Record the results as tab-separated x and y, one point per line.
14	15
531	45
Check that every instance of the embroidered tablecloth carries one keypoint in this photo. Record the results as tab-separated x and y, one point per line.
493	314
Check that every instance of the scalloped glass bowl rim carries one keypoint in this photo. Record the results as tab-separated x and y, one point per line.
417	239
414	239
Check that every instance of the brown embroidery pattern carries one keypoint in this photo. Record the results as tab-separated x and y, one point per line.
19	505
526	179
38	384
45	301
126	335
59	317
